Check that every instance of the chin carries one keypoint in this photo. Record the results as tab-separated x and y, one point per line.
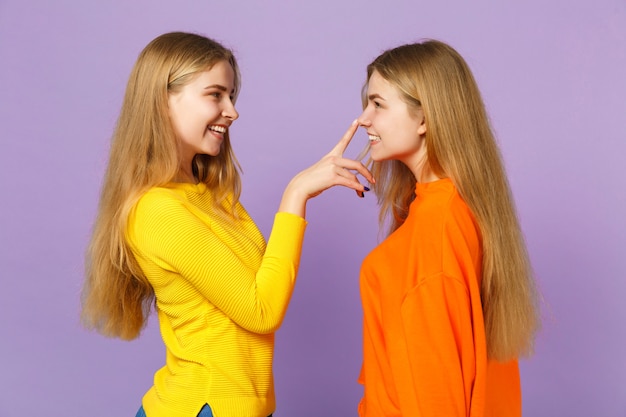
214	152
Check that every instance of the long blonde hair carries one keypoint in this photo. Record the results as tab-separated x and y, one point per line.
117	297
461	146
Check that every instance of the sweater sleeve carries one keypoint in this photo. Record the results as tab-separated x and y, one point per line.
439	317
176	240
436	319
378	376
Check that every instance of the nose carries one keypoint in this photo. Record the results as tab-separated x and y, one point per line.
363	119
230	112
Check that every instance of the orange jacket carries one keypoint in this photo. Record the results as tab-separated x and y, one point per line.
424	338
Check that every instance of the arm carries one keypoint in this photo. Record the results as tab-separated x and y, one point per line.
376	374
437	322
442	321
178	241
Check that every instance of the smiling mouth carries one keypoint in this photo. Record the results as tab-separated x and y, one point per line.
374	138
217	128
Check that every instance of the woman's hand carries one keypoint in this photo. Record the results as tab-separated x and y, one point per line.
333	169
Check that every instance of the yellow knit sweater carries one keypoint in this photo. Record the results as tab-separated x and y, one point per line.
220	296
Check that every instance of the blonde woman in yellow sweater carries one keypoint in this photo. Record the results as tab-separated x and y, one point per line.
171	231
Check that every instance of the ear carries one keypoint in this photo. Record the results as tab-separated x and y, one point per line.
168	103
421	130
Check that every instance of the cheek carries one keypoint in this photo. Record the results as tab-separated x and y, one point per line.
174	122
185	126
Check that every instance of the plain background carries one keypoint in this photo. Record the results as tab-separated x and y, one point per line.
553	75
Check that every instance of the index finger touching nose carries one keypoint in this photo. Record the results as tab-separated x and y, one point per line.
343	143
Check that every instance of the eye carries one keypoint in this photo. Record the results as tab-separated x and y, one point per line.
376	104
216	94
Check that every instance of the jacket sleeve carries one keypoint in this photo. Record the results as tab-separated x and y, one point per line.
180	242
437	322
377	376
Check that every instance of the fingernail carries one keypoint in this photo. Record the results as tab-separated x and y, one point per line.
355	122
366	188
360	194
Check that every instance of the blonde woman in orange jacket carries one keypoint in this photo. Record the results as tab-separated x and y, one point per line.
448	297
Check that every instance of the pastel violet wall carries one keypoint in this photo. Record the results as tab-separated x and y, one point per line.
552	75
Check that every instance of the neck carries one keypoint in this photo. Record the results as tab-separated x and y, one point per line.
422	171
186	175
427	175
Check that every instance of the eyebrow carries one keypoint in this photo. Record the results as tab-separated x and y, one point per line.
218	86
374	96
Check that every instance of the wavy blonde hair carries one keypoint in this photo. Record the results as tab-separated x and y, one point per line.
117	297
461	146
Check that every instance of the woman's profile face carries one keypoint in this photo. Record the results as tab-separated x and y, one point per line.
203	110
396	131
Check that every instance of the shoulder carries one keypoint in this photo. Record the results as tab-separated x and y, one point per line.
159	215
459	217
156	195
438	205
459	213
462	242
452	223
157	200
158	205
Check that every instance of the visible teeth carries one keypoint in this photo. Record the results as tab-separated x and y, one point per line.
374	138
220	129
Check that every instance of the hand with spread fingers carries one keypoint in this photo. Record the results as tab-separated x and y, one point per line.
333	169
